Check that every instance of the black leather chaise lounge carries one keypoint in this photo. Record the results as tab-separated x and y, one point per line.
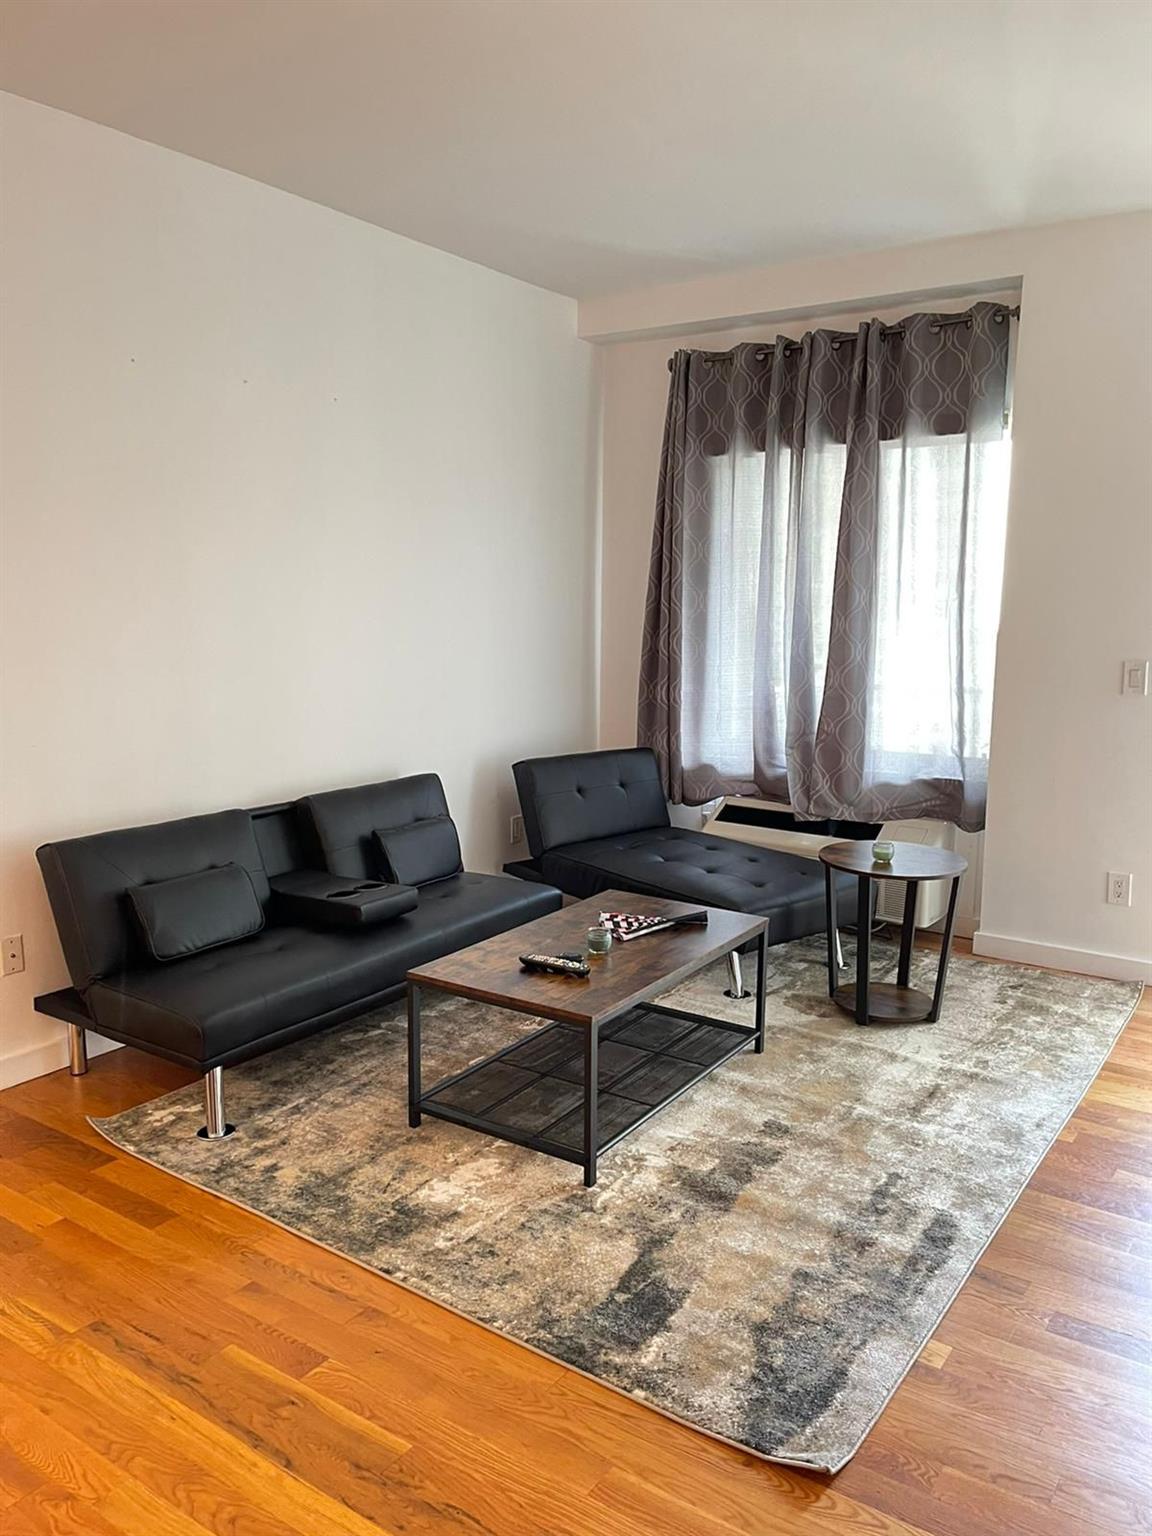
214	938
598	821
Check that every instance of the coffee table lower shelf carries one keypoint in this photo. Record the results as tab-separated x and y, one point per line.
532	1091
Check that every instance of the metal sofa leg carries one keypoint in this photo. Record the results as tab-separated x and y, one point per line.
735	987
77	1050
839	950
214	1106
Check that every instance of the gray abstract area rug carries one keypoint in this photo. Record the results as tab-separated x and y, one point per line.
763	1259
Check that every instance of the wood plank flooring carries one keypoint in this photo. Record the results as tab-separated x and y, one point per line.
171	1365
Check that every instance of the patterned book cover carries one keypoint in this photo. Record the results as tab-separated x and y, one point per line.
631	925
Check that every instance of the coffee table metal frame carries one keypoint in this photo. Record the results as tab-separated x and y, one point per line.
421	1101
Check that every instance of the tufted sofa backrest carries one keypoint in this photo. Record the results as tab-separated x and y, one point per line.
584	795
347	819
88	880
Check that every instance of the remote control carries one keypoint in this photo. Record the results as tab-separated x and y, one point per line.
556	965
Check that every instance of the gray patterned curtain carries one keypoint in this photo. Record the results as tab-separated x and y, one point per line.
826	566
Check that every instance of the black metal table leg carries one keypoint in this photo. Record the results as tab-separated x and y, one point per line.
830	919
413	1055
863	945
761	970
880	1001
907	933
591	1103
945	950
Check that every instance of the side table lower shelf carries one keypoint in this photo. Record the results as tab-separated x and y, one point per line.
887	1003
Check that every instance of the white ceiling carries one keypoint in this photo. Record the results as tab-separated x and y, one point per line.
596	145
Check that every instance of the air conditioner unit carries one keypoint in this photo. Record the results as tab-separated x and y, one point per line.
770	824
767	823
932	897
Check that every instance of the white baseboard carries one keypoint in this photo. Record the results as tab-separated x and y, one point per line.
48	1056
1088	962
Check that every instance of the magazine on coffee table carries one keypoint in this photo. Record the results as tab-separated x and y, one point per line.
633	925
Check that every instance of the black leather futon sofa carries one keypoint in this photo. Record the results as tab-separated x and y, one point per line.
214	938
598	821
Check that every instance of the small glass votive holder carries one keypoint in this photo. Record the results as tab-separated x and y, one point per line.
883	852
599	940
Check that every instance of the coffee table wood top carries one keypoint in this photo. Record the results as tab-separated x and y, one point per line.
628	974
911	861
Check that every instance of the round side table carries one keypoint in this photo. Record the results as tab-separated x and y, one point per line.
881	1002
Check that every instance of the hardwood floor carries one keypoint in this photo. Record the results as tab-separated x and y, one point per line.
171	1365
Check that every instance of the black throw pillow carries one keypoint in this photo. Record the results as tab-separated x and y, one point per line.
420	852
195	912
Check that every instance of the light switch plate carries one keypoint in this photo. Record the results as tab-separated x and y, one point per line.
1134	679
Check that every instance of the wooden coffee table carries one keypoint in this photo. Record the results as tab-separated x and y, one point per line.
883	1002
605	1031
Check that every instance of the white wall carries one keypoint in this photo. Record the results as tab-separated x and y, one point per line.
288	502
1070	796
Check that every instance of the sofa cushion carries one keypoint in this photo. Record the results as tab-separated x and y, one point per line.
226	998
225	1004
193	912
694	866
589	794
346	820
88	880
420	852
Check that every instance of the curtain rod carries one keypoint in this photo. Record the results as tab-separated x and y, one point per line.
1005	312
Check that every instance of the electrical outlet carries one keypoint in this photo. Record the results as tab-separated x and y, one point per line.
13	954
1119	890
1134	679
516	830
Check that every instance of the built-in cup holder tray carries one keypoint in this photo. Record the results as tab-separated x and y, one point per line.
319	899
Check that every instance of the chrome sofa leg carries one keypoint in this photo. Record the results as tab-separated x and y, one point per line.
77	1050
217	1126
839	950
735	987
